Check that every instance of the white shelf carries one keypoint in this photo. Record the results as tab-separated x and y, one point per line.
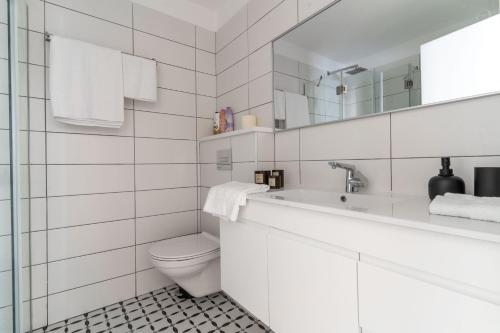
238	132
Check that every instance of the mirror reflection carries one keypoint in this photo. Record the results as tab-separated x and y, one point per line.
361	57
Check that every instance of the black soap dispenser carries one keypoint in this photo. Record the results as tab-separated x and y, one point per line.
445	182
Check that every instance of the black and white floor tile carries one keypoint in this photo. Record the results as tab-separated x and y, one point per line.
164	310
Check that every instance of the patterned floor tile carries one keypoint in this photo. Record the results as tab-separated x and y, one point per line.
165	311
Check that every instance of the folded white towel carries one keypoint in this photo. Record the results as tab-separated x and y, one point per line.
139	78
86	83
468	206
225	200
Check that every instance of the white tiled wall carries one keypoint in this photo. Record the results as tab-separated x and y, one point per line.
101	197
399	151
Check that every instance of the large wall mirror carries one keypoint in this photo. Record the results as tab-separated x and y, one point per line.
363	57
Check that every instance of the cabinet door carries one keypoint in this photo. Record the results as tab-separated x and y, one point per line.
390	302
312	288
244	266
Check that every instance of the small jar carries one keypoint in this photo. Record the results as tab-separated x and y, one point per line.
274	182
262	177
281	174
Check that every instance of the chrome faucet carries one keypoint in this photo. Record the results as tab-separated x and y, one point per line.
352	184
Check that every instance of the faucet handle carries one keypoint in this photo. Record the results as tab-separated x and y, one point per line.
344	166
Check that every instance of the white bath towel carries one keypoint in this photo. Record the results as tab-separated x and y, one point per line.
86	83
225	200
467	206
139	78
279	105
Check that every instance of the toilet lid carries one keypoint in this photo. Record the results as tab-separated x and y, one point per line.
185	247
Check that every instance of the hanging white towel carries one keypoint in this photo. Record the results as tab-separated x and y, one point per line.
225	200
467	206
297	110
86	83
139	78
279	105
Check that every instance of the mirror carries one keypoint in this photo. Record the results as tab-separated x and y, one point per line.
364	57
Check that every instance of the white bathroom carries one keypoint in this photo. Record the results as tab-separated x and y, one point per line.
245	166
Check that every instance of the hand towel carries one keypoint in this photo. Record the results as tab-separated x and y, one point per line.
467	206
86	83
279	105
225	200
297	110
139	78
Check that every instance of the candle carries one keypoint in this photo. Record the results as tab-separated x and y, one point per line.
248	121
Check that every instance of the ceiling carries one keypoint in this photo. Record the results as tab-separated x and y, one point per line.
209	14
353	30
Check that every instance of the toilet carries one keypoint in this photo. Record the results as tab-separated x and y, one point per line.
192	261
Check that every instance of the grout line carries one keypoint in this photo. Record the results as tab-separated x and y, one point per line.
135	171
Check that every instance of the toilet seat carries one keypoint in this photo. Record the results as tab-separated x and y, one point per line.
190	247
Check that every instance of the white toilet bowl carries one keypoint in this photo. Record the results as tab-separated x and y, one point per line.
193	262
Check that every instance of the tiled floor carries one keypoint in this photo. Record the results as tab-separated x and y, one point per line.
164	310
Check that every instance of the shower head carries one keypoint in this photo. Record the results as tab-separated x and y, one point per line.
356	70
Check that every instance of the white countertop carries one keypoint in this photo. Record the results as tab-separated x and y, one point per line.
395	209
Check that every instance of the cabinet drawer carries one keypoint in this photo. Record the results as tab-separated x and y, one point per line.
390	302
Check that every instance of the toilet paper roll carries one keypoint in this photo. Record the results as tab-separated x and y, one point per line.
248	121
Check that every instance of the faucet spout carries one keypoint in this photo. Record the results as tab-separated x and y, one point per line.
352	183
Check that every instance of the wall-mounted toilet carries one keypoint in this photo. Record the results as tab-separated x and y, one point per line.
192	261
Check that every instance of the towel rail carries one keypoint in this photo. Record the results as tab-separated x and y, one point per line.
48	37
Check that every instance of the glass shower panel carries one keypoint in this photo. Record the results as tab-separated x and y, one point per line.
357	92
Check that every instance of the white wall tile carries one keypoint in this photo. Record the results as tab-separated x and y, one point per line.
171	102
237	99
117	11
5	217
164	151
159	24
231	29
208	149
244	171
157	125
204	127
76	272
205	62
81	240
287	145
67	23
370	139
39	317
206	84
205	39
163	50
171	77
210	176
151	279
261	61
77	301
210	224
264	115
160	176
291	171
244	147
6	257
258	8
309	7
155	228
158	202
4	40
260	91
36	80
233	77
127	128
143	258
448	129
4	72
35	179
70	211
206	106
89	149
86	179
37	241
232	53
279	20
35	12
4	110
265	147
3	11
34	214
375	173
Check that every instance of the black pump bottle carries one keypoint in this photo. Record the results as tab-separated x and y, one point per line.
445	182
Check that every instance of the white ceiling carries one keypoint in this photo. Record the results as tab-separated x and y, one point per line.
209	14
357	29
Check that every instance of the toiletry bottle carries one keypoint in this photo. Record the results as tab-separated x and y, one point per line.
222	122
445	181
216	122
229	119
262	177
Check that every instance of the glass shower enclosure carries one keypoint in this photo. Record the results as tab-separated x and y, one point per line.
15	201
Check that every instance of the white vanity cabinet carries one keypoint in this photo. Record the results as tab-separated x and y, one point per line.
244	265
312	286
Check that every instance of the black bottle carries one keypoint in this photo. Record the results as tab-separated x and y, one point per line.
445	182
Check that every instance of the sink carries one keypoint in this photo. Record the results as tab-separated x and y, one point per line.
350	201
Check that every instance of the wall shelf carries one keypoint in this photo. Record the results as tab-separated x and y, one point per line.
237	132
